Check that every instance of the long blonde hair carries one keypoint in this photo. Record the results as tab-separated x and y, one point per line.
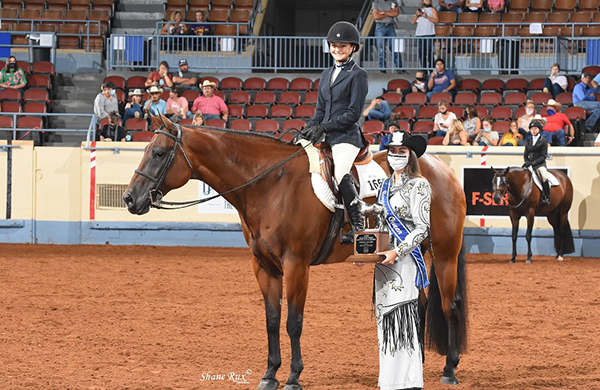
458	126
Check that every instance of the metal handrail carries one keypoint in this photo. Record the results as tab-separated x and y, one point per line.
91	130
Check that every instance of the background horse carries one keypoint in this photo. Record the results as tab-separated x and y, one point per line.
524	199
285	225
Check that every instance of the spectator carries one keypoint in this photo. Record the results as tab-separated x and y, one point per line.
425	18
161	78
200	27
443	120
106	101
155	105
496	6
134	109
596	83
185	78
441	80
174	26
198	119
555	122
512	136
378	110
457	135
210	105
585	97
555	83
384	12
451	5
177	105
474	6
12	76
472	122
417	85
393	127
524	120
112	131
486	136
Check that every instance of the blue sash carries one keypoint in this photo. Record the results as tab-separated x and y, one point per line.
399	229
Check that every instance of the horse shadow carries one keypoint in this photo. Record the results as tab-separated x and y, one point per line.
590	205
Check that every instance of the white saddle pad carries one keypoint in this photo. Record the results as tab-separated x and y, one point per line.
551	179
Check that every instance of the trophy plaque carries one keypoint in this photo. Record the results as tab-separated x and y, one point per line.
369	242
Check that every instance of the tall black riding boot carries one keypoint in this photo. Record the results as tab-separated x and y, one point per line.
352	204
546	195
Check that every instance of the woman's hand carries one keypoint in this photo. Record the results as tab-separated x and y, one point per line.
390	257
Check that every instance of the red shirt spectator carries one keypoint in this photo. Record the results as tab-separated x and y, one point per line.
210	105
556	122
160	78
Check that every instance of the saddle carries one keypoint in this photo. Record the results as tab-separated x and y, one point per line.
364	157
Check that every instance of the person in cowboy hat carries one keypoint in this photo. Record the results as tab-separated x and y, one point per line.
155	105
555	122
536	151
401	277
210	105
341	97
133	109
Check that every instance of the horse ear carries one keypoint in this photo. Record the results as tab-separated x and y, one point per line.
168	124
156	120
507	170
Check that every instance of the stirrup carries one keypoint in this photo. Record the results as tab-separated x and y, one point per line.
347	238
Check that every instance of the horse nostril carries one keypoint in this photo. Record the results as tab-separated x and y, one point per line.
128	199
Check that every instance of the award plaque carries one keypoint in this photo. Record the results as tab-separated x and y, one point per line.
367	244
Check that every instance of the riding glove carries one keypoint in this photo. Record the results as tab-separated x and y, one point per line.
314	134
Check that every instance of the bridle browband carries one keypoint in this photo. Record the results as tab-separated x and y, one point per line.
156	195
525	196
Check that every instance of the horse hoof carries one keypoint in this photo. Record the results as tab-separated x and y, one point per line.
512	261
446	380
292	387
529	261
560	258
268	384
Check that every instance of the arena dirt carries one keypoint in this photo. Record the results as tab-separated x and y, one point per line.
105	317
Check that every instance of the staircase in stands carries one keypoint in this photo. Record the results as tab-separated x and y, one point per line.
138	17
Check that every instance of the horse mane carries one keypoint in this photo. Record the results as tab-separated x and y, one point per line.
243	133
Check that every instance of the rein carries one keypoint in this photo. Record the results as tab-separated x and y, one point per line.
525	197
156	195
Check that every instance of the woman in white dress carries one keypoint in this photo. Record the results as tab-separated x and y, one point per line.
406	197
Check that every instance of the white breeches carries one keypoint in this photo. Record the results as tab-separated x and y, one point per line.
542	173
343	158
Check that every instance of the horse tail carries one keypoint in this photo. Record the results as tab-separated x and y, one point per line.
567	238
437	327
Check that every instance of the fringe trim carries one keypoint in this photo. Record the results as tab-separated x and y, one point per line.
400	327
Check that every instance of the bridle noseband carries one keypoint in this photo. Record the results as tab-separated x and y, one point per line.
505	182
155	194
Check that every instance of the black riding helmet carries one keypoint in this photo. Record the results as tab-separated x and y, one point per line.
537	124
344	32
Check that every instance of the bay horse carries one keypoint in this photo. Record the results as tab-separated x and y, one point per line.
524	200
285	225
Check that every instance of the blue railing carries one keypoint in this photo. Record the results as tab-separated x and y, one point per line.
90	131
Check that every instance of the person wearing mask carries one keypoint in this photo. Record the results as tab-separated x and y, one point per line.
384	12
210	105
378	110
472	123
12	76
112	131
585	97
105	102
556	83
134	109
393	126
555	123
198	119
486	136
177	105
512	136
441	80
184	78
536	151
160	78
418	85
425	18
443	120
457	135
155	105
525	119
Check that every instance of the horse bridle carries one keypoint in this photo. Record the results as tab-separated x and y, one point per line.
155	194
505	181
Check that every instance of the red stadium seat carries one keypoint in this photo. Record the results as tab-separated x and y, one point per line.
503	113
38	107
520	112
423	127
465	99
38	80
493	85
304	111
190	95
43	67
257	111
25	65
404	126
491	98
278	84
137	82
10	94
393	85
297	124
281	111
36	95
186	122
264	97
136	124
515	98
316	85
235	111
301	84
267	125
216	123
500	126
517	84
142	136
118	81
239	97
592	69
8	106
6	122
458	111
255	84
565	98
439	96
231	84
536	84
289	97
415	99
241	125
392	98
541	98
220	94
30	122
482	112
372	127
469	85
405	112
427	112
574	113
311	97
436	141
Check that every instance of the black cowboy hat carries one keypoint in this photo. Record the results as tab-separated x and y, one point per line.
414	142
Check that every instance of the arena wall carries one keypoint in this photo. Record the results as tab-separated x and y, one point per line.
52	202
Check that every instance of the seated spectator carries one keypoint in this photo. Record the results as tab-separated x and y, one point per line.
451	5
393	127
441	80
496	6
174	26
443	120
486	136
112	131
555	83
378	110
457	135
210	105
133	109
524	120
106	101
160	78
555	123
419	84
512	136
12	76
472	123
200	27
585	97
198	119
474	6
177	105
596	83
185	78
155	105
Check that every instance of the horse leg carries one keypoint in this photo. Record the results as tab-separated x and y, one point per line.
528	235
296	286
272	288
514	219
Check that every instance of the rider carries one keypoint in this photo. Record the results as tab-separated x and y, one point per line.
536	150
342	92
406	197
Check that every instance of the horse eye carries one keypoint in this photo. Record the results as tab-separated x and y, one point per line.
158	154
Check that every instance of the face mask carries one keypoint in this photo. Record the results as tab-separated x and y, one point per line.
420	78
12	67
427	5
113	92
487	129
529	111
397	161
551	112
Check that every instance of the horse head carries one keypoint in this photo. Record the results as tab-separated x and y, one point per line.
499	183
162	168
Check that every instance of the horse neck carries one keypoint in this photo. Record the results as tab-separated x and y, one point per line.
519	182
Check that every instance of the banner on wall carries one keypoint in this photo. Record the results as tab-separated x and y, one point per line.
477	183
215	206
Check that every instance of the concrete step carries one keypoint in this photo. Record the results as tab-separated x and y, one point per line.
73	106
137	19
69	122
80	79
162	2
66	139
